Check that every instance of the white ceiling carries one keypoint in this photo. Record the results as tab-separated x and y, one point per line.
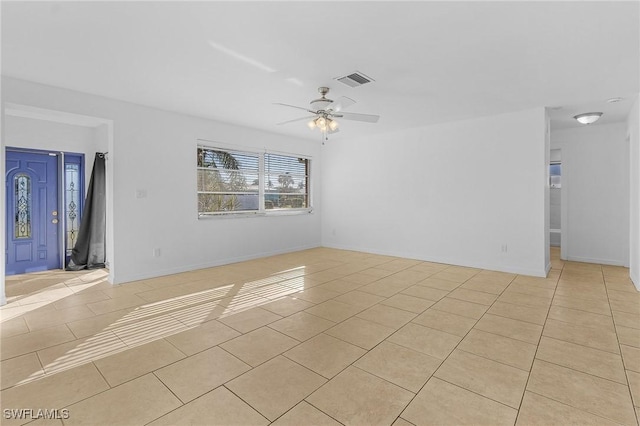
432	61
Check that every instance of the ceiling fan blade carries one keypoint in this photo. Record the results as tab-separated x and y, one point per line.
296	119
369	118
342	103
296	107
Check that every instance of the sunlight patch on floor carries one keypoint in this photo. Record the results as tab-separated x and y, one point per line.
154	320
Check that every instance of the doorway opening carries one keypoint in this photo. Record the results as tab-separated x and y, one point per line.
555	199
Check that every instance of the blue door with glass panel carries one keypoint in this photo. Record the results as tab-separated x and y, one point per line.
32	240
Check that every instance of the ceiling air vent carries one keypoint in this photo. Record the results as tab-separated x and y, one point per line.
355	79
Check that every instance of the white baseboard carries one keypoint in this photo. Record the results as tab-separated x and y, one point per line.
596	260
193	267
635	279
542	272
513	269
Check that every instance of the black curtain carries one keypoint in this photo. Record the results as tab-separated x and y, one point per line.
90	249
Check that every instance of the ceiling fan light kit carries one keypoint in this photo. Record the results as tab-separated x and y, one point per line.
323	123
325	111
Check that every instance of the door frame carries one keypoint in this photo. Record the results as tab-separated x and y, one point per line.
559	162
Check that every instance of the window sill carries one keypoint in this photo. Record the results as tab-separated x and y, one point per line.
266	213
287	212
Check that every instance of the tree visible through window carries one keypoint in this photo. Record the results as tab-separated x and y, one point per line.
232	181
292	176
222	181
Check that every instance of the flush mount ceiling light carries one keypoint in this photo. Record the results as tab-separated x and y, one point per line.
588	117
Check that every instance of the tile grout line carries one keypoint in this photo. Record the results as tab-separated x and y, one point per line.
352	364
578	371
447	357
109	387
283	355
504	316
252	367
584	310
538	345
456	347
318	388
317	408
575	408
579	344
615	328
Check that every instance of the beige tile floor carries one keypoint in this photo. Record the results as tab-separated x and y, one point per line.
325	337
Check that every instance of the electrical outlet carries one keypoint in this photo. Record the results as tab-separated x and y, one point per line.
156	252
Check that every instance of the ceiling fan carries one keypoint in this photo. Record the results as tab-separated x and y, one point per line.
325	111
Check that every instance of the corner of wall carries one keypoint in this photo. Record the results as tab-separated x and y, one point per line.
633	135
547	192
3	299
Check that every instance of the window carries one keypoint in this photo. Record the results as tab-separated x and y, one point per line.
22	204
228	181
286	181
233	181
555	175
73	198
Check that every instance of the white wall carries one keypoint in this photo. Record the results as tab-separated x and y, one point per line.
21	132
154	150
595	193
454	193
633	133
547	193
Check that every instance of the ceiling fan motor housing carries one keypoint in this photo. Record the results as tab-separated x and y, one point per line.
321	103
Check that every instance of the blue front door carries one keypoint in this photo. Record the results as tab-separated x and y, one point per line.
32	242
